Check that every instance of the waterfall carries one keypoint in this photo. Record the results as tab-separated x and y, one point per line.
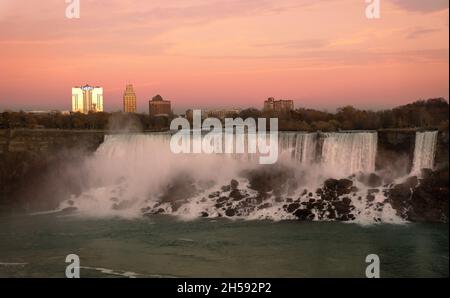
424	151
349	153
132	175
301	147
305	148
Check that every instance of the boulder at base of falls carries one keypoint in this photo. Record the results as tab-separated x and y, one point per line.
334	188
424	199
304	214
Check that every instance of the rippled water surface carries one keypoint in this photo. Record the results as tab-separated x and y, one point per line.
36	246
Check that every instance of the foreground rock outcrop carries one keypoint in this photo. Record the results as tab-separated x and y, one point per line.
424	199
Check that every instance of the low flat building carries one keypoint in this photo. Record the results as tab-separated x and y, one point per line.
159	107
272	105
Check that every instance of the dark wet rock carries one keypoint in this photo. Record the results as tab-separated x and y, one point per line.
345	183
424	199
341	207
289	200
222	199
346	201
230	212
331	213
412	181
292	207
204	214
234	184
370	198
226	188
304	214
236	195
426	173
331	183
334	188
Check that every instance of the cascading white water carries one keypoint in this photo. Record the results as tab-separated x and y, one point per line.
350	152
301	147
424	151
133	174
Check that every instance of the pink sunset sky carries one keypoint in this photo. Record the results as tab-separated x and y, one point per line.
223	53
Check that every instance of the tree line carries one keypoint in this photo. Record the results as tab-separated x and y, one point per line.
431	113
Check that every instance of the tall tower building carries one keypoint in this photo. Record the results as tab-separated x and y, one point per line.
129	100
87	99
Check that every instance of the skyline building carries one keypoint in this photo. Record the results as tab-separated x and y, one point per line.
272	105
129	99
87	99
159	107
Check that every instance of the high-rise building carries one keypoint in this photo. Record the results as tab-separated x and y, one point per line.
129	100
281	105
159	107
87	99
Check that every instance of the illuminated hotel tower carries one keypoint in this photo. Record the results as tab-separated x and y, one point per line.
129	100
87	99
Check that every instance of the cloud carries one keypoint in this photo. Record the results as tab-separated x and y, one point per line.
296	44
424	6
420	32
126	18
339	58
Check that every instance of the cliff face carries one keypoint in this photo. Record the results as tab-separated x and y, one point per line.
31	158
442	150
47	141
395	152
